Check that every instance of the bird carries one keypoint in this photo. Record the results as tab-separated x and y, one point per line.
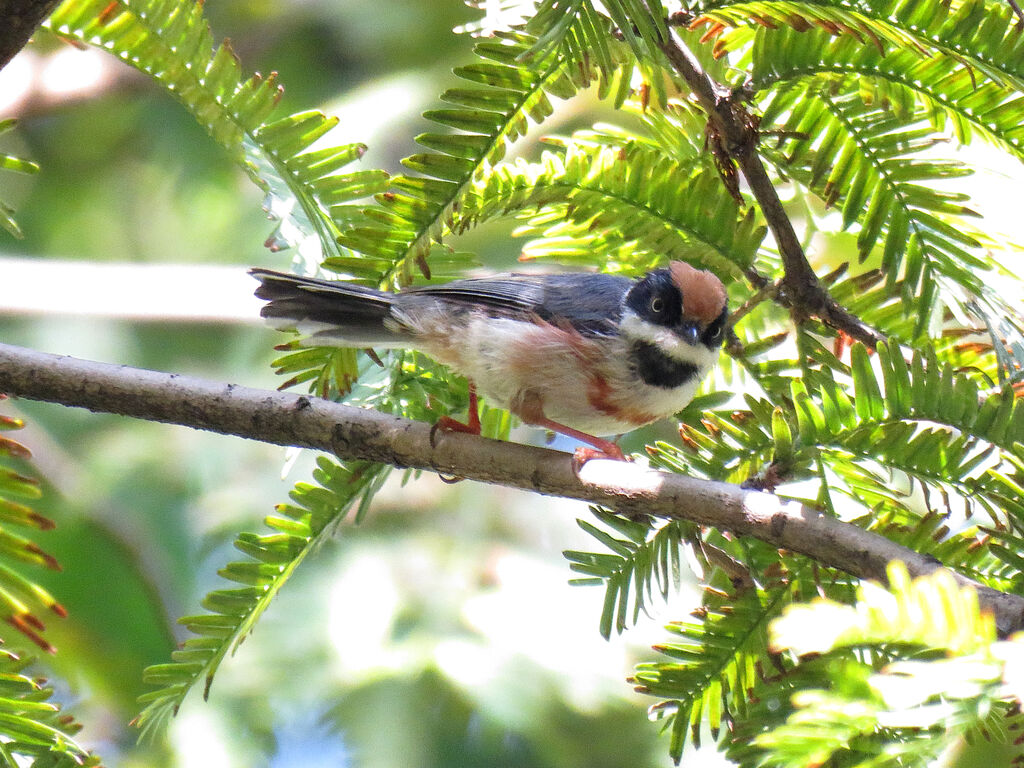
587	355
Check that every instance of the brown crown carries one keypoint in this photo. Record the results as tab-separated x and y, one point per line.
703	293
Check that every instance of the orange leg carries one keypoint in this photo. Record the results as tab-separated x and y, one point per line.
531	410
606	449
448	424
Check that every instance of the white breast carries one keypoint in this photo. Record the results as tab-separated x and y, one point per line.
586	383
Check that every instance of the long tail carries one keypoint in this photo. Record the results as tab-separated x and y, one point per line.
329	312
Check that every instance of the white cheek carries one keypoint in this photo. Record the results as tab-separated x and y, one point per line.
636	329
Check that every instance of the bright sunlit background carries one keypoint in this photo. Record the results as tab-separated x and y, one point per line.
441	631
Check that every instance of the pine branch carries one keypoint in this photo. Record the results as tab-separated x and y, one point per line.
354	433
737	133
18	20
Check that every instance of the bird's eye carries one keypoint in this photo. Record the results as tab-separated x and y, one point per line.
657	304
716	332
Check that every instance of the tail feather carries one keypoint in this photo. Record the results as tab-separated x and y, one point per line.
329	312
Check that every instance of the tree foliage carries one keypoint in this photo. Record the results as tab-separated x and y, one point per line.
921	438
16	165
33	728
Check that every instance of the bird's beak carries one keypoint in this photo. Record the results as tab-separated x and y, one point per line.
689	332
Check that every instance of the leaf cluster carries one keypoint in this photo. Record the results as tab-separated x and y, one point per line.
36	731
913	449
916	667
15	165
21	599
32	727
295	531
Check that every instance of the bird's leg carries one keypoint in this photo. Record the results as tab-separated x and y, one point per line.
474	410
530	409
603	449
448	424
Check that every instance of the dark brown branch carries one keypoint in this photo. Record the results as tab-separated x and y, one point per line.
18	20
737	131
355	433
1017	12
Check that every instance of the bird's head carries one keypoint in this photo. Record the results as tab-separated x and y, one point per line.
677	303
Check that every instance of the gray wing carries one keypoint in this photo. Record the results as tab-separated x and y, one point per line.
591	303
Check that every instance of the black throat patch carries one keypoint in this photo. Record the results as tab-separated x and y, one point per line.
657	369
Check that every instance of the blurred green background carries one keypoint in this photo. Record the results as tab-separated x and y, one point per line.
439	632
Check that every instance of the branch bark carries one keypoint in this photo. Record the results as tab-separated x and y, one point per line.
355	433
735	126
18	20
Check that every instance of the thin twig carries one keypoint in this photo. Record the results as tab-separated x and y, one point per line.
356	433
738	134
769	291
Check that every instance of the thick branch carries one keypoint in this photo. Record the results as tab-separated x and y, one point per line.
734	125
18	20
355	433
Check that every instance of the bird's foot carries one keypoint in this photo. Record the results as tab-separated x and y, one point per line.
607	450
448	424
